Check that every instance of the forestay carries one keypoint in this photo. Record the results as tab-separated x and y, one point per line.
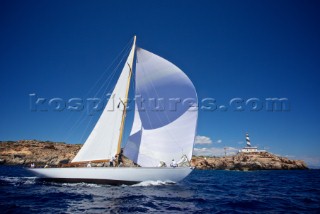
166	114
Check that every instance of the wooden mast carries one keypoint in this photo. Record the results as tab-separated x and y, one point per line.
125	101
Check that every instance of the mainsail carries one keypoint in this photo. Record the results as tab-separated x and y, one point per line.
103	141
166	130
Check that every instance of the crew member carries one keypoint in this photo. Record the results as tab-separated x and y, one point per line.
173	163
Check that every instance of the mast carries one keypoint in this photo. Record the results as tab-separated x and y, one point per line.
125	101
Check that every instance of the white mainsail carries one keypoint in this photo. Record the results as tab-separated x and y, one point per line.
102	142
168	132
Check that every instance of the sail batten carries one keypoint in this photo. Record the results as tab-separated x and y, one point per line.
103	141
163	133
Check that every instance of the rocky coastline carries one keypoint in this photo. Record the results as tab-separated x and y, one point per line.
248	162
25	152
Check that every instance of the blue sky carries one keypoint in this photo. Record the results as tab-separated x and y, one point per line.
229	49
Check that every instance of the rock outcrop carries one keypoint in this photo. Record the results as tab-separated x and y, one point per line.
248	161
25	152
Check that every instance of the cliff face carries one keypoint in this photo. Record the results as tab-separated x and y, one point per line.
245	162
25	152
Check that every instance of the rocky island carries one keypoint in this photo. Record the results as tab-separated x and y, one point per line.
25	152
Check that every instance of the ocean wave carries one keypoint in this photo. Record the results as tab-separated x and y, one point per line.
19	180
222	191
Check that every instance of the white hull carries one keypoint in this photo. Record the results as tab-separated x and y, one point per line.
112	175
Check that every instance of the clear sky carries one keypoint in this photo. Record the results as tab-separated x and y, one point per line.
229	49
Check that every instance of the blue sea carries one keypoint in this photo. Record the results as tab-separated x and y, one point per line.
211	191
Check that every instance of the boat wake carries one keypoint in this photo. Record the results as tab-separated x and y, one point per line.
17	181
153	183
81	185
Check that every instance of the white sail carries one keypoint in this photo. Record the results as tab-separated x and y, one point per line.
102	142
168	132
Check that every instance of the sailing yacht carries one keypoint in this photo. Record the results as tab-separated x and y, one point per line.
157	135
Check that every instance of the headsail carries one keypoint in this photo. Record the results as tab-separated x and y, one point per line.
102	142
166	132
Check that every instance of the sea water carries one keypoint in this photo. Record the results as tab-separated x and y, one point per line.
207	191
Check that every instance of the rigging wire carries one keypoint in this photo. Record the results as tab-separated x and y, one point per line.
91	119
101	76
107	82
111	77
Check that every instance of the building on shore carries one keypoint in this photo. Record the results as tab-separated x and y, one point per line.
249	148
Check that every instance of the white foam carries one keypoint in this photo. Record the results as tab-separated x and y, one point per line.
18	180
153	183
80	185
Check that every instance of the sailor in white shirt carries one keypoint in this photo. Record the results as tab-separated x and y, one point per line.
173	163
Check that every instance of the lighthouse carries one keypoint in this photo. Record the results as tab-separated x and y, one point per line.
248	140
249	148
